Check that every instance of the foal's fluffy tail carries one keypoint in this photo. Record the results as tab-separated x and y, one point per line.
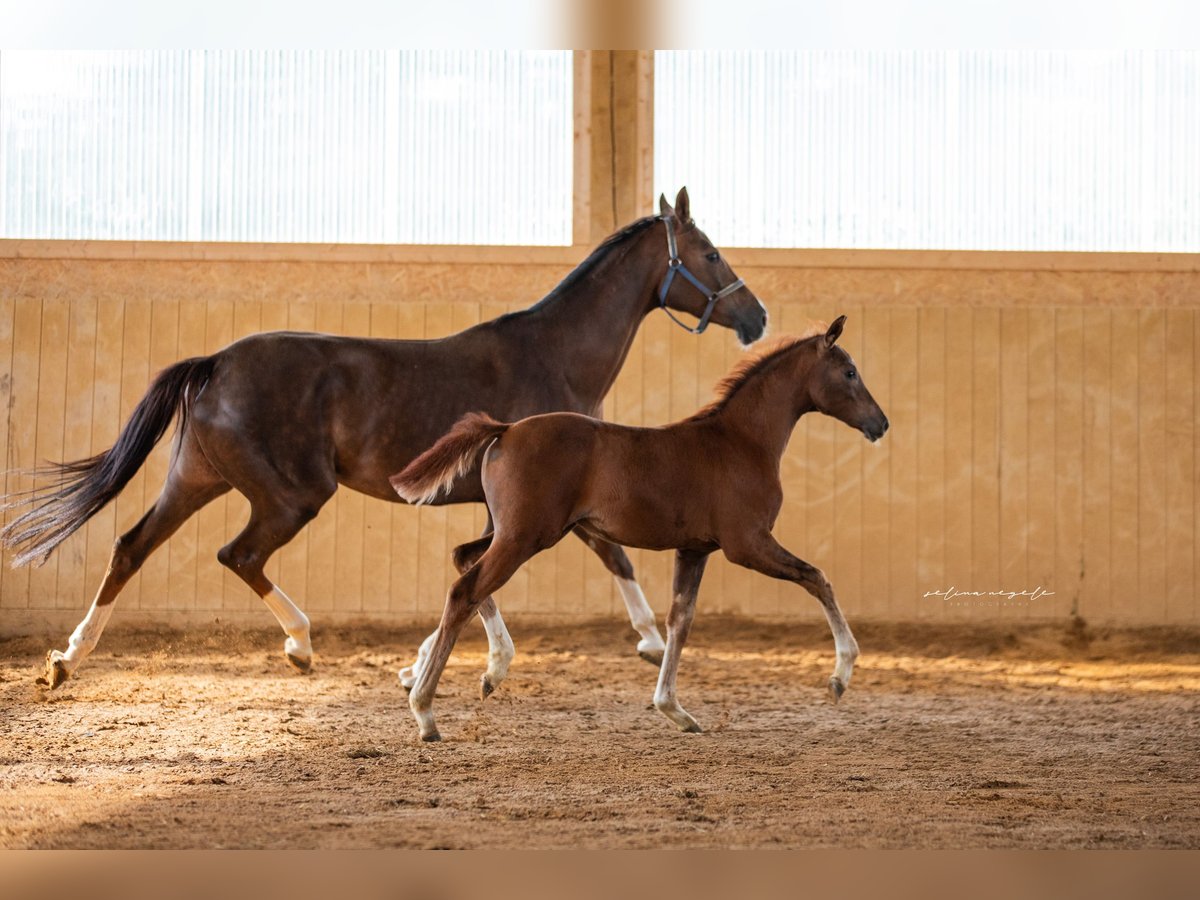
436	470
80	489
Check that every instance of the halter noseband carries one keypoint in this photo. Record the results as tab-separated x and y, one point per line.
675	265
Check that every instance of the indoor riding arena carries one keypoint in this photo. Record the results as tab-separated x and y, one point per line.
1014	242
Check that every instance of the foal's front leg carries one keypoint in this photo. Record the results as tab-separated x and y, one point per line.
768	556
689	569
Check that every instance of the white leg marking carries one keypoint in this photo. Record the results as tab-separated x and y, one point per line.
500	646
294	624
84	638
665	700
641	616
410	674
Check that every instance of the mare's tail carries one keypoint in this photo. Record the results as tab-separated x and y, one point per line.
81	489
449	459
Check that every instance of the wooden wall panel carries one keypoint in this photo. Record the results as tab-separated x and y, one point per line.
1049	443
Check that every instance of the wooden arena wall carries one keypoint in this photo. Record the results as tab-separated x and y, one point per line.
1043	434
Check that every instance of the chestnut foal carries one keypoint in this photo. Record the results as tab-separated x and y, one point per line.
708	482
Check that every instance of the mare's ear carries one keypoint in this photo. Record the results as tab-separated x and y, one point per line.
664	208
834	332
683	207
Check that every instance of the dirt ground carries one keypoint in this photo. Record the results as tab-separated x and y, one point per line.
948	737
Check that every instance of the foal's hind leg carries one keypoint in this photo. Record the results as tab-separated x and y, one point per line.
489	574
190	484
689	569
641	616
766	555
500	645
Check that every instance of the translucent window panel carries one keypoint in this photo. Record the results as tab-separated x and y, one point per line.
987	150
369	146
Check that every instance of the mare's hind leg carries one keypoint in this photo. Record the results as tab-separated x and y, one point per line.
280	505
500	645
651	646
190	484
272	524
489	574
689	569
766	555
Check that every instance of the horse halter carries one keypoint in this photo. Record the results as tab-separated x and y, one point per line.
675	265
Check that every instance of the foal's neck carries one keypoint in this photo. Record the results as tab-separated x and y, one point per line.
767	407
586	331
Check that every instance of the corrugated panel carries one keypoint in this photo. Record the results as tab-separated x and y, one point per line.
368	146
1043	435
973	150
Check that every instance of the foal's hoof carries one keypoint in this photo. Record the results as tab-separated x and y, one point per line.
486	688
56	671
654	657
836	689
432	737
692	727
301	664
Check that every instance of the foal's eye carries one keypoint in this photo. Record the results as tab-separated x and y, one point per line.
713	257
851	374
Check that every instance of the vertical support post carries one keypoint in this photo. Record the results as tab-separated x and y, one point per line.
614	150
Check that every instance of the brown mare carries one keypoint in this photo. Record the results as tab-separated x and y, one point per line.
709	482
285	418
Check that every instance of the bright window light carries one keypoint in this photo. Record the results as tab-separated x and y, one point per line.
386	146
971	150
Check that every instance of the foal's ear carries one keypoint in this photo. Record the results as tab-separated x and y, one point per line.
834	332
664	208
683	207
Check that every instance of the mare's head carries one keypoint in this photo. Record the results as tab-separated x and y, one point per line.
836	388
739	309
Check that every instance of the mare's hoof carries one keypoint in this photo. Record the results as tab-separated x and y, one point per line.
302	665
693	728
486	688
836	689
432	737
56	672
654	657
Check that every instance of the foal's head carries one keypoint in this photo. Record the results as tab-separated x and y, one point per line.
837	389
740	310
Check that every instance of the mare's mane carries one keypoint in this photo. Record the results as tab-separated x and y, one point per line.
606	247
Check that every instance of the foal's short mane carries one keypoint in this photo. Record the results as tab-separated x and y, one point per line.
748	368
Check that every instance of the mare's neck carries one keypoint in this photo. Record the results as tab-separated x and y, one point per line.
585	332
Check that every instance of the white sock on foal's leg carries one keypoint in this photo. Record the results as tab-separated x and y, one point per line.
500	648
641	616
409	674
294	623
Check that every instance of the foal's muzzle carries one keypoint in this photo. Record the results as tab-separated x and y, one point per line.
873	431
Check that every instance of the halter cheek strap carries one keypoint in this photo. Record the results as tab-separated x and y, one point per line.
675	266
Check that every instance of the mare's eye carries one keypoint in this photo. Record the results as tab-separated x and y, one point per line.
713	257
851	374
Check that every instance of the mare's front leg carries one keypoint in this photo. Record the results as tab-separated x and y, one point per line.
641	616
766	555
689	569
